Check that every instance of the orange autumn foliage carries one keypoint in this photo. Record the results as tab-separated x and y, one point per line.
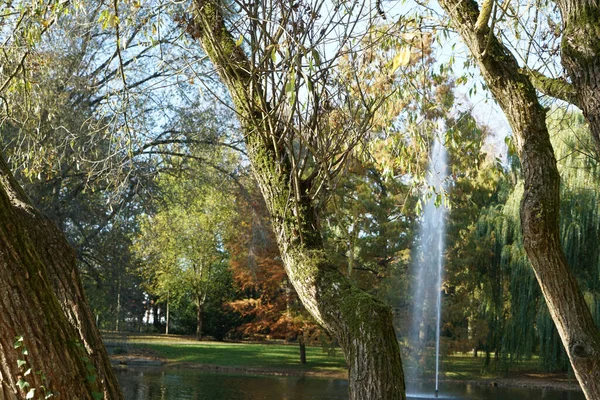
269	302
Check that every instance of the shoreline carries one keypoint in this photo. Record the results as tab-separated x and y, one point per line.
524	380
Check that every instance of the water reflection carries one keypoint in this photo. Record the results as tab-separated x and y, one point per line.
182	384
476	392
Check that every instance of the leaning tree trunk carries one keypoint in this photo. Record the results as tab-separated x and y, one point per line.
43	302
580	53
362	325
540	205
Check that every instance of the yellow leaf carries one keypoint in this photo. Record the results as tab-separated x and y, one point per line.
112	21
240	40
402	58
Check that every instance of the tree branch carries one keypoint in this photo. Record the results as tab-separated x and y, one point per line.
558	88
484	15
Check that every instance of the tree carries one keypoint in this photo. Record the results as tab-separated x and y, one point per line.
75	153
580	56
296	146
513	90
494	267
182	244
266	300
49	339
476	183
49	314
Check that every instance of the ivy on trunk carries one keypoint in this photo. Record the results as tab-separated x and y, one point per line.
44	307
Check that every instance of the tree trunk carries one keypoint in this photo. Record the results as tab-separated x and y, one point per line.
540	205
362	325
156	314
42	302
302	345
167	317
580	53
118	319
199	315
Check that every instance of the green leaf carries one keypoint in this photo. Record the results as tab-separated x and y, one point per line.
91	378
19	342
290	86
30	394
97	395
274	54
20	363
317	57
27	372
240	40
309	84
22	384
418	208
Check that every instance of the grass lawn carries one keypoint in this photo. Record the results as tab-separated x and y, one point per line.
467	367
183	351
179	350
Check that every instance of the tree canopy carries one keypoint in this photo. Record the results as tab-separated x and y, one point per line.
249	170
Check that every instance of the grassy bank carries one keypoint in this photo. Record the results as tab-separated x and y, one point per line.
285	359
183	351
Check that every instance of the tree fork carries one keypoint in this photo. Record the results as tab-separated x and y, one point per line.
362	324
540	205
580	54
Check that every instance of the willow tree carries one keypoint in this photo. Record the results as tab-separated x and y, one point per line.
495	270
513	89
300	125
580	55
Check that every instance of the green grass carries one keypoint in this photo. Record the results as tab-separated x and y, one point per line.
463	366
178	350
281	358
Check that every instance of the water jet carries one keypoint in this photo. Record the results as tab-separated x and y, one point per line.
428	264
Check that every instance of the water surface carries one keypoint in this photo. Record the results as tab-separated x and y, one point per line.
190	384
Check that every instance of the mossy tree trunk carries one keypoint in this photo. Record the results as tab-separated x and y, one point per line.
580	53
42	301
540	205
362	325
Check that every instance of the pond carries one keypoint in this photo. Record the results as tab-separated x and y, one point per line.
182	384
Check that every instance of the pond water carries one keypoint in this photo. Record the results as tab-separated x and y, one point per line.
181	384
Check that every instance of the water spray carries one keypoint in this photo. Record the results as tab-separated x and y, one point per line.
429	258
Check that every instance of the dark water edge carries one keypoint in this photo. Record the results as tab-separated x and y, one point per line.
190	384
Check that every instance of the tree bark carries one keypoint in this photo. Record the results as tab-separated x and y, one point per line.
580	54
540	205
118	319
156	314
167	316
199	315
362	325
302	345
43	302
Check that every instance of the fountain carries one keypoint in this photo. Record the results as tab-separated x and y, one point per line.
428	265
